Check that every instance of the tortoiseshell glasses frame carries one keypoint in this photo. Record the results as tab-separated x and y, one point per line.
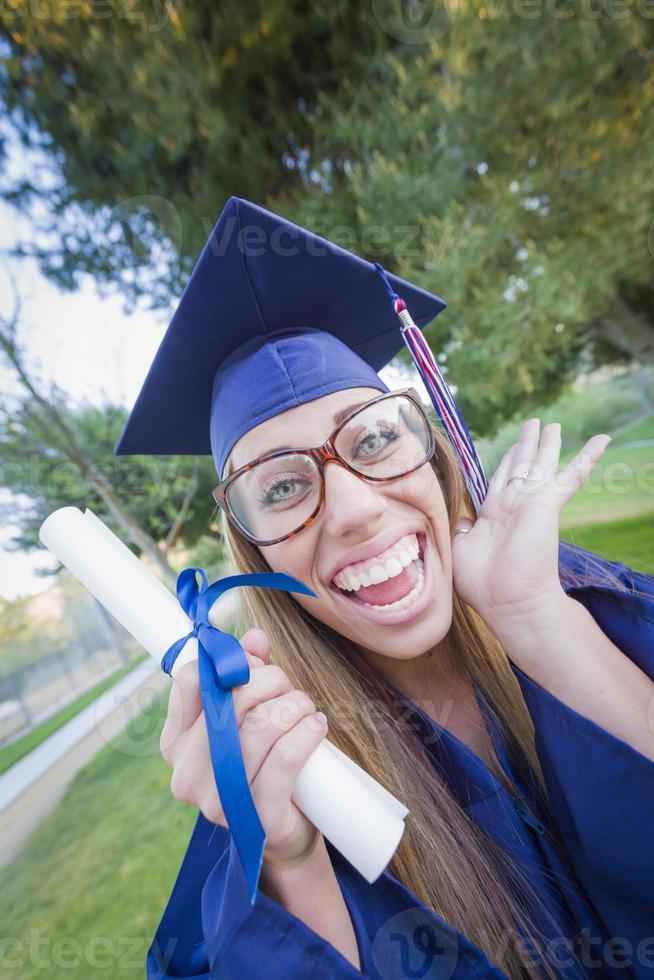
322	455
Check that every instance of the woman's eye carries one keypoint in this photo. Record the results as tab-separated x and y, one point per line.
284	489
375	442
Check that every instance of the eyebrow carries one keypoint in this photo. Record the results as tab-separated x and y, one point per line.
338	417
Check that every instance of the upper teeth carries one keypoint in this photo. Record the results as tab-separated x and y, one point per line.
386	565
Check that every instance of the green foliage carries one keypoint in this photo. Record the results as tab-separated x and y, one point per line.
500	156
41	476
154	115
23	640
504	164
208	554
612	406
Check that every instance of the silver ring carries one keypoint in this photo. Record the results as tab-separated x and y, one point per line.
463	530
519	476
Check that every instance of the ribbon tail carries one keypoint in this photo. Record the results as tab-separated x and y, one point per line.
173	651
278	581
229	773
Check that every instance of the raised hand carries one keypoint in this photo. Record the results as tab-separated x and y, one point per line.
507	563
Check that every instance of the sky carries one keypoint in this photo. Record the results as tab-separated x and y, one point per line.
89	347
80	340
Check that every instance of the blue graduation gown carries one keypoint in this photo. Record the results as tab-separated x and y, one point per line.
602	796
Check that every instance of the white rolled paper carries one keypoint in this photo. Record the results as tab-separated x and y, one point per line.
354	812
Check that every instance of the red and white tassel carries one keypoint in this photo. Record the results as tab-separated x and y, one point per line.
442	399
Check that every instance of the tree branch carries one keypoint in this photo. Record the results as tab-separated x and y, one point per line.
178	523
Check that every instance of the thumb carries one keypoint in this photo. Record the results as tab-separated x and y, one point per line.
256	645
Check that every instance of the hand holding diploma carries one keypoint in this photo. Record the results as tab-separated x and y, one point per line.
278	730
354	812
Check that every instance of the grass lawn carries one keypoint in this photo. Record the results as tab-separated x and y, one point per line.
620	486
630	541
11	754
84	897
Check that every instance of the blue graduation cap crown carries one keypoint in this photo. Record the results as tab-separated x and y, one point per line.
272	316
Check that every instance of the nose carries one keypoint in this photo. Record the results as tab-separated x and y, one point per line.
351	503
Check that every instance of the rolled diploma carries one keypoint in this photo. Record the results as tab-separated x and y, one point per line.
354	812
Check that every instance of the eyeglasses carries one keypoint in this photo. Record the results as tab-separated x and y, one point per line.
279	494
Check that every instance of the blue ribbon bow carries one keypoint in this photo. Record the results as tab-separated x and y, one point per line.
222	666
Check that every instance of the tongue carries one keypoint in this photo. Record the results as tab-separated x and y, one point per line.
392	589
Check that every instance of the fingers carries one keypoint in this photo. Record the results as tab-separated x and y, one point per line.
273	785
183	741
267	722
193	779
549	451
517	457
268	681
278	731
577	471
538	454
185	701
184	706
498	479
525	454
256	644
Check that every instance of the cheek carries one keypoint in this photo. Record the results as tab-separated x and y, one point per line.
293	556
421	491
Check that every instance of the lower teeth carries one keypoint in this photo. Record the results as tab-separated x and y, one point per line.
407	599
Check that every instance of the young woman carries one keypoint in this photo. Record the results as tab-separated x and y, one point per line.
496	681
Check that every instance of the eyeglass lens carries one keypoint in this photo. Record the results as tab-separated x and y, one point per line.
277	496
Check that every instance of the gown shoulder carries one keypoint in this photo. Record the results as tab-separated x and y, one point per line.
210	930
601	790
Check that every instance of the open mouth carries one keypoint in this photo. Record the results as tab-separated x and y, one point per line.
391	582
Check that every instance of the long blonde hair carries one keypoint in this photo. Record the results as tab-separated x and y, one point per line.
444	858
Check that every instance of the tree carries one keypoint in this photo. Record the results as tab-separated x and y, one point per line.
53	456
510	169
499	154
150	120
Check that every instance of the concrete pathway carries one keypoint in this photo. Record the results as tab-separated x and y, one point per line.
36	783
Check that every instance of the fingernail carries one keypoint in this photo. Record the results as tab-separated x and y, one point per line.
321	718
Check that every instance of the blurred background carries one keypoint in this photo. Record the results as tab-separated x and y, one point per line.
500	154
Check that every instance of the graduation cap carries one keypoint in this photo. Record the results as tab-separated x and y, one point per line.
274	316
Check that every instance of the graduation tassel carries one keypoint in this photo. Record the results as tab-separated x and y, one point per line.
441	397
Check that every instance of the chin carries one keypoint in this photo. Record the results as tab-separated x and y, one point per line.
409	643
